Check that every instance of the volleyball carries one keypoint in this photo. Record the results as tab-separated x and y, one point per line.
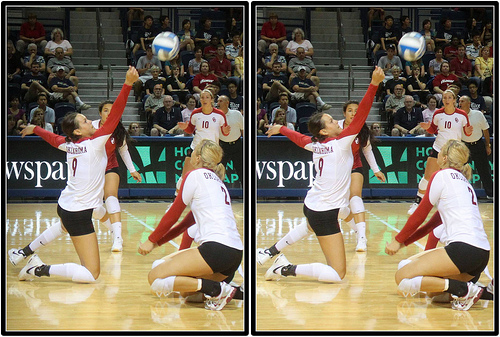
412	46
166	46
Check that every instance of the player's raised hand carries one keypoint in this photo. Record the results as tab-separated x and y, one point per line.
377	76
132	76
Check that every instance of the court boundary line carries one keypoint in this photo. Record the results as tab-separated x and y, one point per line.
147	226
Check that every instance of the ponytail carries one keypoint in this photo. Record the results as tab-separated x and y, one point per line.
220	170
457	157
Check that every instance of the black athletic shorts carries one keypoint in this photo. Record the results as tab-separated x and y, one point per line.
468	259
357	169
323	223
434	153
76	223
221	258
113	169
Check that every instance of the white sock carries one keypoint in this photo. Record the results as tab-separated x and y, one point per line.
72	271
293	236
116	229
48	235
318	271
107	223
78	100
320	101
352	225
361	229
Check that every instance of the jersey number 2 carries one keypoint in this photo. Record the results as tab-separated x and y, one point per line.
74	163
225	195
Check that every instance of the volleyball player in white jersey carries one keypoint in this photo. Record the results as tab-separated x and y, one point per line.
119	138
87	160
448	122
333	161
354	215
456	267
201	269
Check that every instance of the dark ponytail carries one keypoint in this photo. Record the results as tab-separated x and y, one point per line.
315	125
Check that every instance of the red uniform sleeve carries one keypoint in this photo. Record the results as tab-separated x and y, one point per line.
49	137
362	114
186	241
115	114
433	222
177	230
296	137
417	218
170	218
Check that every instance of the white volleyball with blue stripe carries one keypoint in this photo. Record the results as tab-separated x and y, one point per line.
166	46
412	46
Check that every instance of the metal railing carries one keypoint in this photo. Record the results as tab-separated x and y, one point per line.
340	39
100	39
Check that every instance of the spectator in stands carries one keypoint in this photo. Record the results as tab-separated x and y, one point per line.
186	36
166	117
430	109
235	100
444	33
487	31
201	79
470	29
214	88
205	33
298	40
39	120
305	90
154	80
64	89
483	65
375	12
442	80
435	64
417	85
31	31
153	102
14	110
429	35
451	51
33	57
176	85
135	130
65	62
388	35
12	128
388	61
409	65
262	119
194	64
472	50
460	66
376	130
165	24
14	64
49	113
281	119
221	66
210	50
273	57
239	65
134	13
175	62
396	79
145	36
33	83
302	60
393	103
229	31
407	119
477	101
232	50
291	113
275	83
144	68
272	31
405	25
188	110
57	40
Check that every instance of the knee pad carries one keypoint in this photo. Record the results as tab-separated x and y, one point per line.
344	212
157	263
328	274
82	275
403	263
422	185
112	205
163	286
99	212
356	204
410	287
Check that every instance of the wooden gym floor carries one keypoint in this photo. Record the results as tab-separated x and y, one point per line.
120	299
366	300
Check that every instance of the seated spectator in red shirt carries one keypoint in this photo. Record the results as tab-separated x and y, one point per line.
31	31
443	80
451	51
201	79
210	51
272	31
220	66
461	66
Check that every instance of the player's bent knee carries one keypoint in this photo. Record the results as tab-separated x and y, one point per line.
112	205
344	212
356	204
99	212
83	275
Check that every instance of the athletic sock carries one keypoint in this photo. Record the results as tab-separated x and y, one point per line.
107	223
210	288
47	236
320	101
116	229
78	100
296	234
457	288
273	250
361	229
352	224
27	250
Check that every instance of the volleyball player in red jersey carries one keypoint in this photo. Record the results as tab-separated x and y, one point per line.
354	215
456	267
333	160
204	268
87	160
119	138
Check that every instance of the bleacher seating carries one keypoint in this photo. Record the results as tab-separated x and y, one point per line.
305	109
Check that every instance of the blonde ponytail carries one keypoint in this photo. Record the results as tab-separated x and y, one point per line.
220	170
211	156
457	157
